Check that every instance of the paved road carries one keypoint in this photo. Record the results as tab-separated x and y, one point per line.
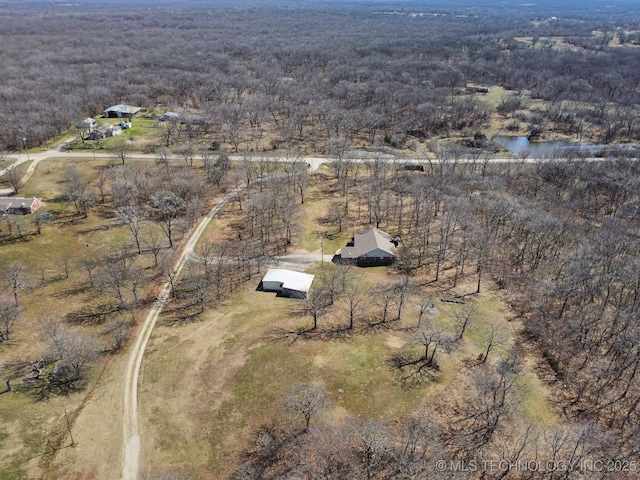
314	162
56	152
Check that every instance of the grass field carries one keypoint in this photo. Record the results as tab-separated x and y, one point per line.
207	386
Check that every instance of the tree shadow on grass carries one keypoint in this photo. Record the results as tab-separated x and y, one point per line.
181	314
413	371
92	314
309	333
70	292
386	325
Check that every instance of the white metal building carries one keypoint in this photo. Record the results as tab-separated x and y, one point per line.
287	282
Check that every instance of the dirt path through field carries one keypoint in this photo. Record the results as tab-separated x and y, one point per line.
132	441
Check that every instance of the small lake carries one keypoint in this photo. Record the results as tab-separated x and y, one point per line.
519	145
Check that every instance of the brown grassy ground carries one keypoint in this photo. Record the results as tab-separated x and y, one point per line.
206	386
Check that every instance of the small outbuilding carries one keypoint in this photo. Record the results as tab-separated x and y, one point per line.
87	124
121	111
19	206
169	117
104	131
370	248
288	283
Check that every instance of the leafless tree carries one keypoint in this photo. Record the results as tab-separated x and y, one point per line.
65	261
77	190
465	317
119	332
186	151
492	336
16	279
153	242
316	304
306	400
9	313
163	155
12	177
426	305
89	262
121	279
374	444
167	207
355	297
120	150
385	298
491	398
133	218
71	352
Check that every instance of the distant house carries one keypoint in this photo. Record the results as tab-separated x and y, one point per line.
287	282
169	117
19	206
477	89
369	248
87	124
104	131
121	111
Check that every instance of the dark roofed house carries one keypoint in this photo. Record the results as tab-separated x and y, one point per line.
19	206
369	248
121	111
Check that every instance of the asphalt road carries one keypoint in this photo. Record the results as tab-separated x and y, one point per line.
314	162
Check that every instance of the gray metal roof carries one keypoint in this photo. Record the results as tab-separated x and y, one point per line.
130	109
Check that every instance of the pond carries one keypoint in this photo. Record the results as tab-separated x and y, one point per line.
519	145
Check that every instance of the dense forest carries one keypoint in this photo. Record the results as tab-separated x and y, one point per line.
556	239
310	72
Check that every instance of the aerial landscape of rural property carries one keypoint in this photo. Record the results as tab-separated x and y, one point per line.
311	239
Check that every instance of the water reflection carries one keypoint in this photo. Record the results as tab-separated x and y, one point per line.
521	145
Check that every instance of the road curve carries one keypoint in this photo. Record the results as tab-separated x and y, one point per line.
131	430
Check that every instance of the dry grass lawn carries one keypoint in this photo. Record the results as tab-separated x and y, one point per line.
206	386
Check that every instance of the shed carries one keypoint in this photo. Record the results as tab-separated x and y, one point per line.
121	111
287	282
168	117
87	124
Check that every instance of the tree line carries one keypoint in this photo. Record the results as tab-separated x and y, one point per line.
259	77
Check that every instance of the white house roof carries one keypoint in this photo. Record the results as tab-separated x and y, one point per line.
297	281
